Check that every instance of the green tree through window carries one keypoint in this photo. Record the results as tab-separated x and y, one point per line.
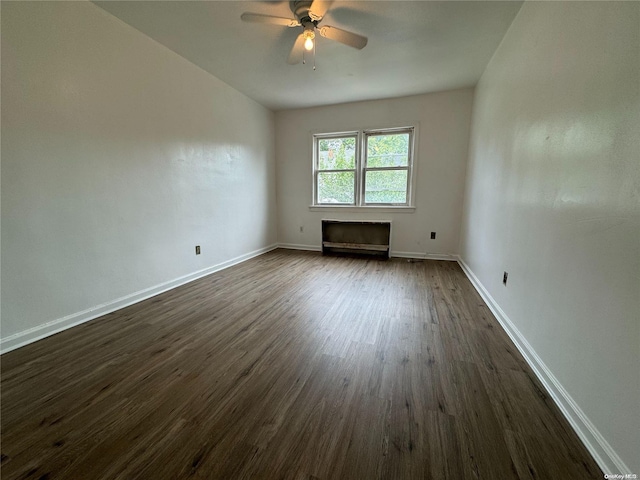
336	174
386	171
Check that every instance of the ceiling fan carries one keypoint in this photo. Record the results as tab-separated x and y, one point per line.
308	14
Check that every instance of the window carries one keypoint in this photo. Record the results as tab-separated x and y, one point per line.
364	168
336	169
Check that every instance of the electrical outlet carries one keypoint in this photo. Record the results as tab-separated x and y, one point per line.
433	235
197	249
505	276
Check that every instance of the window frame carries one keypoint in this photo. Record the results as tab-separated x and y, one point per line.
316	163
361	168
365	154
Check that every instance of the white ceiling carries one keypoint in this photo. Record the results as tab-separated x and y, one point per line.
414	46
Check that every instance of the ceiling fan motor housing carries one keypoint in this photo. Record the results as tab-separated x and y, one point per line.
300	9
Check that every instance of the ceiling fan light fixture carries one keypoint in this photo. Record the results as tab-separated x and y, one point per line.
308	39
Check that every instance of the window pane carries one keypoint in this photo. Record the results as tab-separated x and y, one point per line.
336	153
388	150
386	186
336	187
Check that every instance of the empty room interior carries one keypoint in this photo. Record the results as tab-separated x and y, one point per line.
320	239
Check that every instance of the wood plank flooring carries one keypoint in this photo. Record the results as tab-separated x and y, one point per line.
294	366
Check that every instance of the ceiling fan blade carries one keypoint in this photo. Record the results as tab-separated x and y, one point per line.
260	18
319	9
348	38
296	52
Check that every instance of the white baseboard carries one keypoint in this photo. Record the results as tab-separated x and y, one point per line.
602	452
31	335
424	256
297	246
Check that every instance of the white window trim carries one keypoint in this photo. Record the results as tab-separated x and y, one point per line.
316	159
360	170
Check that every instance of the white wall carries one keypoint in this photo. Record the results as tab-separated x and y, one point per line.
118	157
441	155
553	197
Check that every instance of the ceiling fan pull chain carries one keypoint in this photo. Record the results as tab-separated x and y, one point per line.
314	55
304	62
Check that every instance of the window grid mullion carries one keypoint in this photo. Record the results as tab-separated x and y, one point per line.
378	169
337	171
361	151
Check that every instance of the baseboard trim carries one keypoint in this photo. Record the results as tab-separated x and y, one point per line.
425	256
604	455
34	334
297	246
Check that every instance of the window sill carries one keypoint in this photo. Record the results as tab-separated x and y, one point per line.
371	208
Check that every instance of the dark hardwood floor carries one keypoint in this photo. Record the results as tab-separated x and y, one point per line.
291	365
